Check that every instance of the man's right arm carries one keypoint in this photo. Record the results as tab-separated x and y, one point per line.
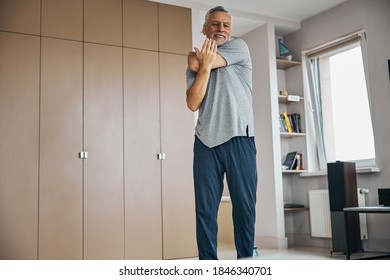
197	91
205	58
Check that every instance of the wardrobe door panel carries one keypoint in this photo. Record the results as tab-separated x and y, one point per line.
62	19
19	142
20	16
177	138
61	192
103	140
142	144
175	31
140	24
103	21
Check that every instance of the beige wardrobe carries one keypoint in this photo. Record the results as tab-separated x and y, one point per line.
95	137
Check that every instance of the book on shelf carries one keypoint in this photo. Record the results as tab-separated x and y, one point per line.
290	123
289	161
293	161
287	121
299	162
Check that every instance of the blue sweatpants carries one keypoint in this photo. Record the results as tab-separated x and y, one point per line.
237	159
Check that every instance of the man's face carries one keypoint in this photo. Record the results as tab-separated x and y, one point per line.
218	27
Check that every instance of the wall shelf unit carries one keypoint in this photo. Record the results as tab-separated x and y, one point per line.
291	134
296	209
291	114
287	99
284	64
294	171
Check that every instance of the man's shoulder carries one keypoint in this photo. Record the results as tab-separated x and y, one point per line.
235	42
235	45
236	51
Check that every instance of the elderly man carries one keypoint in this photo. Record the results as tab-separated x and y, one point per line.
219	85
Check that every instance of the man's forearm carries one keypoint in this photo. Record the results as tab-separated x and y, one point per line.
197	91
193	63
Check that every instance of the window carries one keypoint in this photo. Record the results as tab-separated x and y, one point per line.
340	102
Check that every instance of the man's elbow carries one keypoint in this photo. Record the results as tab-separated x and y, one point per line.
192	62
194	67
192	107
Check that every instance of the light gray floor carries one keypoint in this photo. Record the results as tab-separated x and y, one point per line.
227	252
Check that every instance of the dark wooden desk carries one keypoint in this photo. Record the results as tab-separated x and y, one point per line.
365	209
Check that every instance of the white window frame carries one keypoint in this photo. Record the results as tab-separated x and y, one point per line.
316	145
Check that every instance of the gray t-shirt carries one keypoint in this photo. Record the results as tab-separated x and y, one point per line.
226	110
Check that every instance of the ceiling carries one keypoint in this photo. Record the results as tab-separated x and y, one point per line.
249	14
294	10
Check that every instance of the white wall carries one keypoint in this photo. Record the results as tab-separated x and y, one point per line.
374	17
270	232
